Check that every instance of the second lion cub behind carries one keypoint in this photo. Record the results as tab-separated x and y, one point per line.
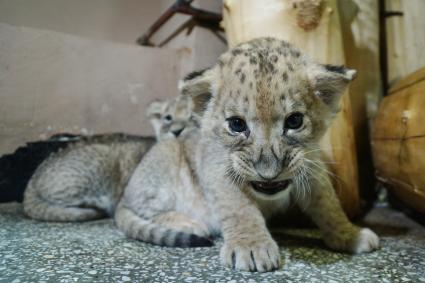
86	180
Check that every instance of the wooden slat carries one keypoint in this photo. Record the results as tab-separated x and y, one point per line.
405	38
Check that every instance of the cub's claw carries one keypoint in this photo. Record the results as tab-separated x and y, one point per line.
259	256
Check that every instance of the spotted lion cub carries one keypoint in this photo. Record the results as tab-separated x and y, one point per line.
85	180
264	108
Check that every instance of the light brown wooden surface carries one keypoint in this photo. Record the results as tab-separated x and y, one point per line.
405	38
322	40
398	140
360	31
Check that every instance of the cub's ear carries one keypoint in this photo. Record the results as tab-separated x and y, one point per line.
156	109
329	83
199	86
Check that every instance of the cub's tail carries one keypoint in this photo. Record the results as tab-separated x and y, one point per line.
147	231
17	168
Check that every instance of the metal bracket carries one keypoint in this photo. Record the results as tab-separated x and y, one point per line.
201	18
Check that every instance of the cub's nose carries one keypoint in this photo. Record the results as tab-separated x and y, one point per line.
177	132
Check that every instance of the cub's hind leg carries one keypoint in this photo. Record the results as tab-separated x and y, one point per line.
172	229
41	209
69	186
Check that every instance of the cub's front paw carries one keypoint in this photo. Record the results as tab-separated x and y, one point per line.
366	241
355	241
257	255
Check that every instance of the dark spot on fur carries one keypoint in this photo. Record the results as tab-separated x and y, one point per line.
295	53
269	80
274	58
285	77
252	60
236	52
194	74
238	71
290	67
335	69
285	44
242	77
250	85
270	67
282	97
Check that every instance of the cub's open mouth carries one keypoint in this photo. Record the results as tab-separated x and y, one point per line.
270	188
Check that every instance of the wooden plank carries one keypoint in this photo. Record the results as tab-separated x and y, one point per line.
405	38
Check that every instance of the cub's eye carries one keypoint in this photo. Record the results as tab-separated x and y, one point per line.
168	118
294	121
237	125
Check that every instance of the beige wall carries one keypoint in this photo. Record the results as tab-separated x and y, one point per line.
117	21
113	20
52	82
77	67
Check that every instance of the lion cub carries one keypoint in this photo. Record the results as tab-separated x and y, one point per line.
85	180
264	107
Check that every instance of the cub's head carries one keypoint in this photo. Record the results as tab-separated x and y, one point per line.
264	108
171	118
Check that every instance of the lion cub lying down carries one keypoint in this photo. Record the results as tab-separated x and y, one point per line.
85	180
263	109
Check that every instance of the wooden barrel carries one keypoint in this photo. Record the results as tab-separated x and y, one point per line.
398	140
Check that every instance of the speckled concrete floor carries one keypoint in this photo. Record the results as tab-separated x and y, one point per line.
32	251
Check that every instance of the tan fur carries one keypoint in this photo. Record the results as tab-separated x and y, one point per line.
205	183
86	180
209	176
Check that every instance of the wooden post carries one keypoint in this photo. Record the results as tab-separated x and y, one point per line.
314	27
360	32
